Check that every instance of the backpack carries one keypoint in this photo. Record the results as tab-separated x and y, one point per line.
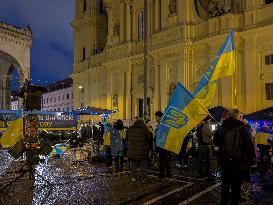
232	145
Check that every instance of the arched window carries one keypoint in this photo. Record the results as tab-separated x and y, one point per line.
83	54
84	5
268	2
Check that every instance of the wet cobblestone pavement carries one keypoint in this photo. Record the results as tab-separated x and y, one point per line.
93	184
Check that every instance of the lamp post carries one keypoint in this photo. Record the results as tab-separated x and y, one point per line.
146	56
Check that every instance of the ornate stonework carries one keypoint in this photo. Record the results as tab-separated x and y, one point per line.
172	7
15	44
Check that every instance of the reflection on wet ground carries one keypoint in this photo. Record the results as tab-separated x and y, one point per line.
93	184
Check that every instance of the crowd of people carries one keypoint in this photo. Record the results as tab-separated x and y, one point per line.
234	141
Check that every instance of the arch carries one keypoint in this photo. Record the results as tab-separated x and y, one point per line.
15	64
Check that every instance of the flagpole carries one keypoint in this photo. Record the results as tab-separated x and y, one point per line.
234	79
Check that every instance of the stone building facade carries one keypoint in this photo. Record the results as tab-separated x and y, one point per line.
15	44
185	36
59	96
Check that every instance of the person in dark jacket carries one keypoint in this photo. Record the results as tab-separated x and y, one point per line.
204	136
236	154
139	140
164	155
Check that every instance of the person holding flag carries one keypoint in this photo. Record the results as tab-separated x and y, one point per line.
185	110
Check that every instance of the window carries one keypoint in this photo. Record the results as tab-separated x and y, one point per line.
141	26
51	100
82	105
54	99
269	91
84	5
269	59
82	90
47	100
59	109
44	100
63	97
268	2
83	53
67	108
67	96
54	109
59	98
101	7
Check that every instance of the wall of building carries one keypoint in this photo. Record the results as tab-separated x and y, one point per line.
182	45
58	100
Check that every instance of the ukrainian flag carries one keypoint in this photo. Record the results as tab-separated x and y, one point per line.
181	115
13	134
222	66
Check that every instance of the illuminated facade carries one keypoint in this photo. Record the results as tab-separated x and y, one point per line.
185	36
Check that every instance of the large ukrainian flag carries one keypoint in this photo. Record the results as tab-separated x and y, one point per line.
222	66
181	115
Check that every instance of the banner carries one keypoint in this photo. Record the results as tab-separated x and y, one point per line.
46	121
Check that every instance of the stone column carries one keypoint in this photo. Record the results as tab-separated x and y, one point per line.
109	90
162	13
156	15
128	95
121	97
122	21
180	11
163	84
157	100
134	26
128	22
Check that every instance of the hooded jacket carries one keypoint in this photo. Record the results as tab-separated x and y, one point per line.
247	146
139	140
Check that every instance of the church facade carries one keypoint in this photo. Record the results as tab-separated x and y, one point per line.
185	36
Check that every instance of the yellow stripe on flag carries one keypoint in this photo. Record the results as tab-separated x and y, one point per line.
13	134
175	137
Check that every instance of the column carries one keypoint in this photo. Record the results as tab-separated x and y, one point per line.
134	26
151	19
163	8
110	26
163	84
128	95
156	15
128	22
157	103
181	9
109	90
121	97
121	21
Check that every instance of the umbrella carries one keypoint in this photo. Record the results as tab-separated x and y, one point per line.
58	150
217	112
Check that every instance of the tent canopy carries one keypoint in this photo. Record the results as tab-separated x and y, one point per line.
265	115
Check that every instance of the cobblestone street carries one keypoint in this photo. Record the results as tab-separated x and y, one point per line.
93	184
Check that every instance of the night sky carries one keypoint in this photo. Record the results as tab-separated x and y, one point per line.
52	48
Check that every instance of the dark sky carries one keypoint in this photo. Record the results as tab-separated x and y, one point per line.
52	48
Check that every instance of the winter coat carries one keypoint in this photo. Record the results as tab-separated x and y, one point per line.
117	142
247	147
139	141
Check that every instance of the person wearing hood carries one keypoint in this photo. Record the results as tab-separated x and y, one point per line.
139	140
117	144
236	155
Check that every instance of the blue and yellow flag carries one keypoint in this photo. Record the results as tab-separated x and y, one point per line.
222	66
181	115
13	134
